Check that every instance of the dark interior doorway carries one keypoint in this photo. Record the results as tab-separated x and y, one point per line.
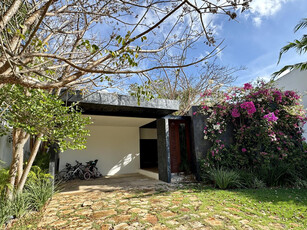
149	148
148	153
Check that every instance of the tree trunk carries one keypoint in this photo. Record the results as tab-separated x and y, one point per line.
20	168
25	174
19	140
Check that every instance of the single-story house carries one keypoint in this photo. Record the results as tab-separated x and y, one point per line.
127	137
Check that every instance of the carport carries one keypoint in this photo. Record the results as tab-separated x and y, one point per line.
126	136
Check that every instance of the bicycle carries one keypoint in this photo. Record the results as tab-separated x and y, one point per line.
91	170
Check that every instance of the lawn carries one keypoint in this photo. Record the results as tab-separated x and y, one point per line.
185	208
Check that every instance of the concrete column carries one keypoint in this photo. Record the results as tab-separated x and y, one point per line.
53	160
164	161
198	144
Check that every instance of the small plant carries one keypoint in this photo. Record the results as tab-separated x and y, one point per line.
258	183
4	175
300	183
5	209
223	178
39	192
20	205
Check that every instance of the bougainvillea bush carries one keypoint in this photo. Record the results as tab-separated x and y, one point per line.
266	124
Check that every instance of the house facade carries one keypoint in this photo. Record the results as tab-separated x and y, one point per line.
295	80
130	137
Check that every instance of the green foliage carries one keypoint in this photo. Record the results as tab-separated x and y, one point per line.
265	126
300	46
38	112
277	175
224	178
42	160
37	174
4	176
300	183
38	190
5	208
20	205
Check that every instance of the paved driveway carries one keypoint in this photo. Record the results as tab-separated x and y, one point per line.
105	184
119	202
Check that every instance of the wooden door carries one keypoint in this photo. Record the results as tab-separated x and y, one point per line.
180	152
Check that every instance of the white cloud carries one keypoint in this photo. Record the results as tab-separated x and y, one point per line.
257	21
265	8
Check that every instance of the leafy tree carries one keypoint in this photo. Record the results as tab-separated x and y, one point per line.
300	46
186	87
86	43
35	112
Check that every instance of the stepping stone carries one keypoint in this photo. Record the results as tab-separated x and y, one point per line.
214	222
150	219
138	210
83	212
122	218
68	211
87	203
121	226
196	224
167	214
104	214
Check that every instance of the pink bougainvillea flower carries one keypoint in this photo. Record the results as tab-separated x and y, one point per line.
247	86
235	112
270	117
249	106
244	150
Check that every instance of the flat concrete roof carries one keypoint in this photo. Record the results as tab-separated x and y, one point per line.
112	104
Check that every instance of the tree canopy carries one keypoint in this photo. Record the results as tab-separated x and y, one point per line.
74	43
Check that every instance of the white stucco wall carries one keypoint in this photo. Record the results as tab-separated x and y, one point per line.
295	80
114	141
116	148
5	150
148	133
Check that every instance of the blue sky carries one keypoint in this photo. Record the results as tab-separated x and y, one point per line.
255	39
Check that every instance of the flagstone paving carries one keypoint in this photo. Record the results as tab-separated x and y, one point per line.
154	207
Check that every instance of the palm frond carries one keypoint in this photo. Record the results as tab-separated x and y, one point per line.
301	66
299	45
301	24
285	49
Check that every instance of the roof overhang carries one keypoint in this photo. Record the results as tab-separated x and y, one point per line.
110	104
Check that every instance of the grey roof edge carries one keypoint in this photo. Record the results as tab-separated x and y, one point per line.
102	98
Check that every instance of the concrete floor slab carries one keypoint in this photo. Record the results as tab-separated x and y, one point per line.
105	184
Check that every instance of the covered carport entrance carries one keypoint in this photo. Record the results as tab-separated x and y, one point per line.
117	133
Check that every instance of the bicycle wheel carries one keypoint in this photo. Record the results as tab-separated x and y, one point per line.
87	176
96	172
68	176
60	176
81	175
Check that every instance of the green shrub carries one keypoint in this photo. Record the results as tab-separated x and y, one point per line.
5	209
278	175
42	160
20	205
223	178
37	174
256	127
300	183
39	192
250	180
258	183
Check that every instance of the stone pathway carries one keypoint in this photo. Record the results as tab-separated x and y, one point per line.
155	206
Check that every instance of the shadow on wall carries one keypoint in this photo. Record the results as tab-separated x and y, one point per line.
124	162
